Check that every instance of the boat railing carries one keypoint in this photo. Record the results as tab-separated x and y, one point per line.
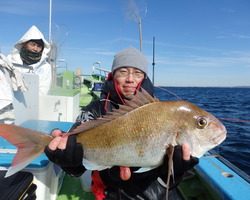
230	165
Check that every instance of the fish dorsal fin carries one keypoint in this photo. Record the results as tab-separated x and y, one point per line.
87	126
141	98
145	97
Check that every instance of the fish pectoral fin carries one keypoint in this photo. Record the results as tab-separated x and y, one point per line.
93	166
144	169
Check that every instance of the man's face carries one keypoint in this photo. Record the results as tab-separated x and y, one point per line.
33	46
128	79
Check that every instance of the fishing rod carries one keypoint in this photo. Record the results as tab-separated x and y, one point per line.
234	120
221	118
171	93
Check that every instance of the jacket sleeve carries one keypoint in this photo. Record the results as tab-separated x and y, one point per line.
91	111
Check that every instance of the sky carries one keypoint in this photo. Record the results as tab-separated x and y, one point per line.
197	43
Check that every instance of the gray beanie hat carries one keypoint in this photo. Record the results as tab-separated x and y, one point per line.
130	57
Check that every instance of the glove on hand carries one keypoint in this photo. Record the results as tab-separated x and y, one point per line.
69	159
180	165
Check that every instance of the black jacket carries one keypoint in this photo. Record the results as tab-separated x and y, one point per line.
140	185
138	182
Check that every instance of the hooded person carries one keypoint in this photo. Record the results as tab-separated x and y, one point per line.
30	55
129	74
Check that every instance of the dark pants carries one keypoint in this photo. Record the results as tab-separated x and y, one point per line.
154	192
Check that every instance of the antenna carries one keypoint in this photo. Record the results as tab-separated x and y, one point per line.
153	64
140	33
50	18
53	50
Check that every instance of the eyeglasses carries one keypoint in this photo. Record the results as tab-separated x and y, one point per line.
124	72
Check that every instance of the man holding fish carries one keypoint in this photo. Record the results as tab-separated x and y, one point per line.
129	75
131	129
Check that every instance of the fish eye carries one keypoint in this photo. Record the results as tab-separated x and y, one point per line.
201	122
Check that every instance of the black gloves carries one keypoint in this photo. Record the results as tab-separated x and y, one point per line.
180	165
69	159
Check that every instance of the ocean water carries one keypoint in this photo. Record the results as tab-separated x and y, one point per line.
232	106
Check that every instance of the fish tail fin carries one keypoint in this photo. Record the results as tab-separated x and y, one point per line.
30	144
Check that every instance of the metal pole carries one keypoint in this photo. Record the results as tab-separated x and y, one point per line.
140	33
153	74
53	48
50	18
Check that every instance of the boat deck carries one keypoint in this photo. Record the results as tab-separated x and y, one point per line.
72	190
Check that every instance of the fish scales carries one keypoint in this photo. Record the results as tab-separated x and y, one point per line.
140	138
124	129
129	140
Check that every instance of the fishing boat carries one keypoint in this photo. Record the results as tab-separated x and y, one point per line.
214	178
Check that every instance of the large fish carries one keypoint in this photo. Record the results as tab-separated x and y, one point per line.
136	134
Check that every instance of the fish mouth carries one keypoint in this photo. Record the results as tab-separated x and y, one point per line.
220	137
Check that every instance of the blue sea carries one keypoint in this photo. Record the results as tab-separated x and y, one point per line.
230	104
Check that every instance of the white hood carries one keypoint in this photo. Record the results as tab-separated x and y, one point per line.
33	34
